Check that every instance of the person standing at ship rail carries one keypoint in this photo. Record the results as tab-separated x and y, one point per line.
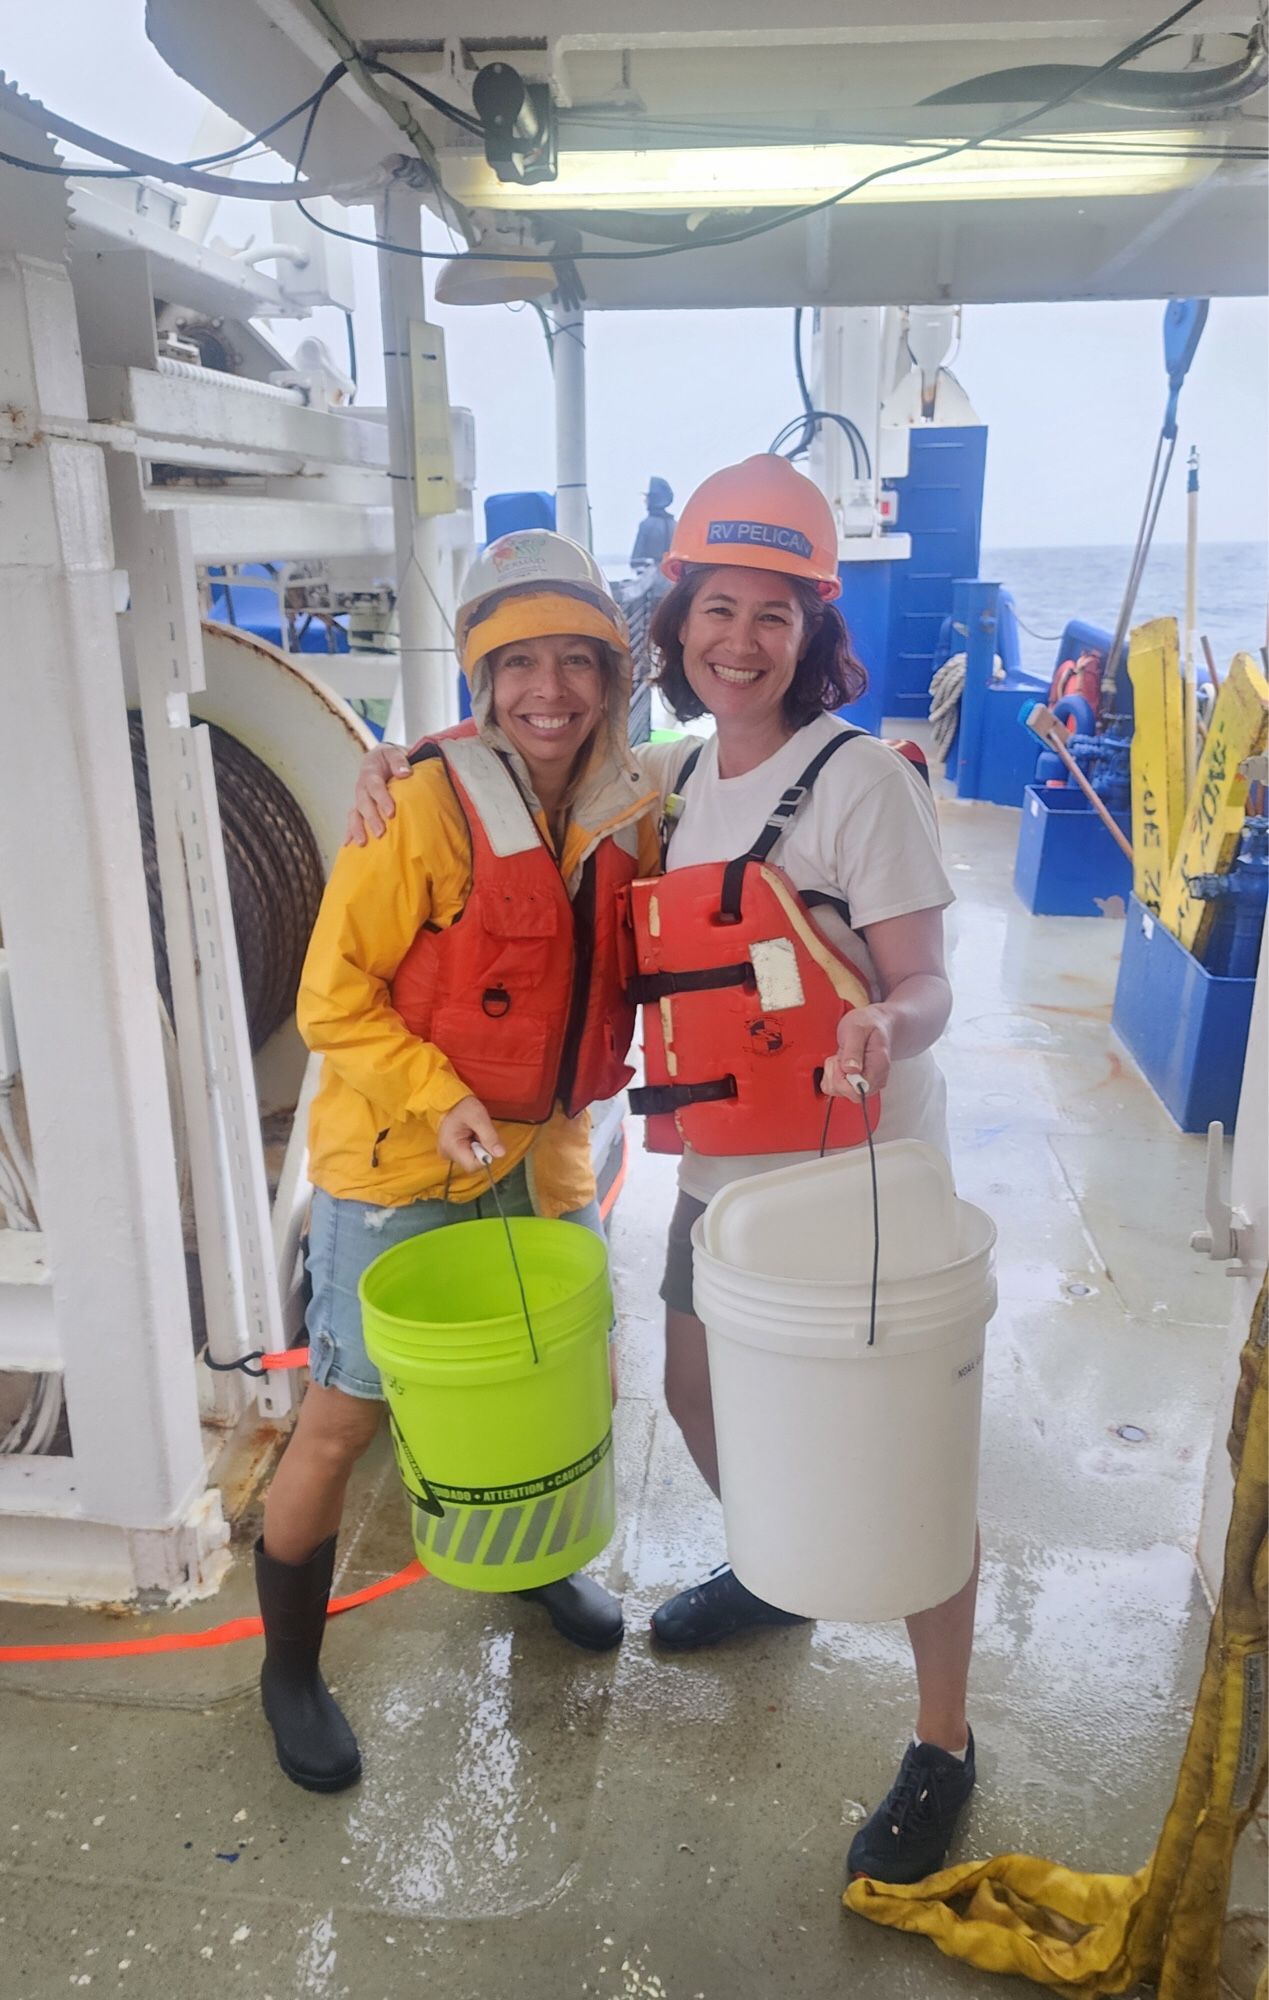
750	635
439	1037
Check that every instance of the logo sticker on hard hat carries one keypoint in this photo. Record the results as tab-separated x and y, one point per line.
526	555
761	534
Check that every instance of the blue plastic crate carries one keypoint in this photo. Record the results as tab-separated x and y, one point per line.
1185	1028
1067	864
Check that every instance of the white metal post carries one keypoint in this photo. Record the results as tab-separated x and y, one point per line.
572	501
240	1283
166	655
428	669
846	379
77	934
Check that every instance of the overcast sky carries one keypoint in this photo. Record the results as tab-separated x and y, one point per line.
1073	394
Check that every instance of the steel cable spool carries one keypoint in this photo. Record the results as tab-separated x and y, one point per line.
276	877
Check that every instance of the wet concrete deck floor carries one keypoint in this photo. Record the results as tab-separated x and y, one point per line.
536	1822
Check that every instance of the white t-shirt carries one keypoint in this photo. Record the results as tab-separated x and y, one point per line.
867	835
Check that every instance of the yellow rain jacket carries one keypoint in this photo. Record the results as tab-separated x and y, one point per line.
383	1092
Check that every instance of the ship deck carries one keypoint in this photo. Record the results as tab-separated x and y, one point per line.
539	1822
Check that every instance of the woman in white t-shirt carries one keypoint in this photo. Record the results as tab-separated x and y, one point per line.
755	641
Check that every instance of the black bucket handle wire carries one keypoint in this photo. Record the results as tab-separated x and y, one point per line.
864	1090
486	1161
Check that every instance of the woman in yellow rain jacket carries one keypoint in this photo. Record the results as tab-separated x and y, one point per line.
440	1037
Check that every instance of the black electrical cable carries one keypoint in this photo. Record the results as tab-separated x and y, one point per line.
812	421
722	240
799	369
467	119
860	454
1044	145
331	77
753	230
69	170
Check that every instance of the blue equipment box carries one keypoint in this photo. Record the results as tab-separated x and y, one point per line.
1067	865
1185	1028
867	606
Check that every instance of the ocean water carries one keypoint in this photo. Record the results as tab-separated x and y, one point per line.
1052	585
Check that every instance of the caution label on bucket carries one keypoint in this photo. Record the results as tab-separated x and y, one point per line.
528	1489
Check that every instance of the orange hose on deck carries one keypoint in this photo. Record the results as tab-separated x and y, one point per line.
192	1642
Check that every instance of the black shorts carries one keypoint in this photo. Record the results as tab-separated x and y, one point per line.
676	1285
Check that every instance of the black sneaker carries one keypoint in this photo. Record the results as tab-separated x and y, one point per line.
911	1830
714	1610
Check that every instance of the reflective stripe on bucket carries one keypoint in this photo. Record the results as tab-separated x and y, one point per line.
492	1536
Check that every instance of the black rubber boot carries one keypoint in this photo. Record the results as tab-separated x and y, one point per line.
716	1609
582	1610
315	1746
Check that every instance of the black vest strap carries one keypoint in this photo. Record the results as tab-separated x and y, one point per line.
781	814
659	985
819	899
653	1100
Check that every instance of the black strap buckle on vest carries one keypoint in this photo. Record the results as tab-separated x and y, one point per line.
659	985
653	1100
782	812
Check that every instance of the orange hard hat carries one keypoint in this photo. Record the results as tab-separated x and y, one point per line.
760	514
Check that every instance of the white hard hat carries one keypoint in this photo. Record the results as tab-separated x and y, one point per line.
528	567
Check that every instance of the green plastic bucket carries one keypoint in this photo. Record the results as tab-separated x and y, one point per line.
507	1459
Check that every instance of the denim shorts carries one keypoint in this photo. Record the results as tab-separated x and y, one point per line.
345	1237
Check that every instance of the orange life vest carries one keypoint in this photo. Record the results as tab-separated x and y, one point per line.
741	997
1082	676
523	991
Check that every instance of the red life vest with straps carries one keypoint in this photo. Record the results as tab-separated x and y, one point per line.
742	995
523	991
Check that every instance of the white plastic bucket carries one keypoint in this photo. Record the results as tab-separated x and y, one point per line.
849	1472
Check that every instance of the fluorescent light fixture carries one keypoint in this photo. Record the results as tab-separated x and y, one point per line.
1071	165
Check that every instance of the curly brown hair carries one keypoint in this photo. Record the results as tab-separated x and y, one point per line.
828	675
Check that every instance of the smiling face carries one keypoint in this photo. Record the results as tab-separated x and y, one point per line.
742	638
548	698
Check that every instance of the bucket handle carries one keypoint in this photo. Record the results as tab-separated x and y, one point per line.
863	1088
486	1161
429	1504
